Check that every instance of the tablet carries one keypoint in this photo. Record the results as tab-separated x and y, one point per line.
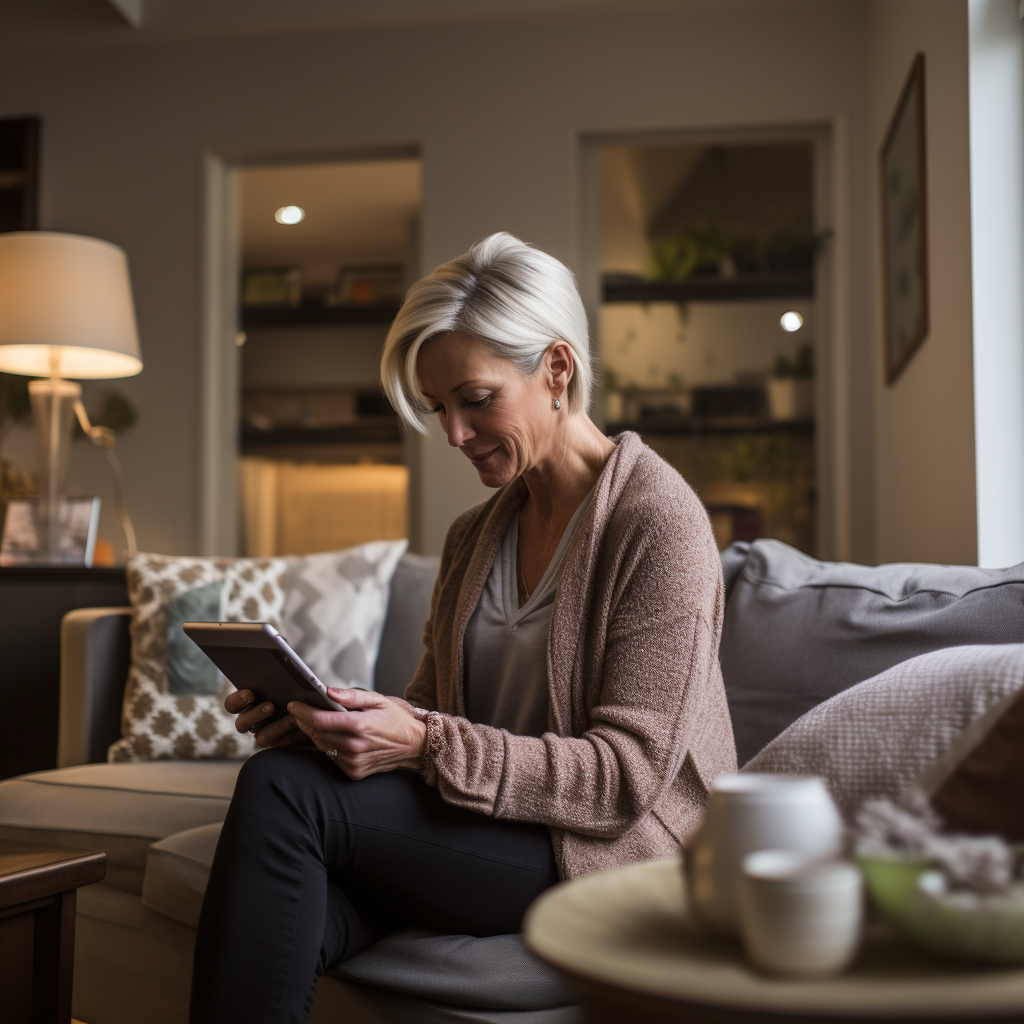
254	656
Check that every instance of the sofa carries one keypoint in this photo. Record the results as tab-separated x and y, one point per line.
797	632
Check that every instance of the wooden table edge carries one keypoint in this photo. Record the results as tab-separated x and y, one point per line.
41	880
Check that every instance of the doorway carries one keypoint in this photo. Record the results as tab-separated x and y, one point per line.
327	251
711	323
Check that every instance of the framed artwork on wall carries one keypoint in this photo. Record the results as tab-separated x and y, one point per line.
905	227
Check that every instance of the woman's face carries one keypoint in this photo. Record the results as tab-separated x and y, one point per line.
503	422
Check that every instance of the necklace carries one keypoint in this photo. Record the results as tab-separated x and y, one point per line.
522	578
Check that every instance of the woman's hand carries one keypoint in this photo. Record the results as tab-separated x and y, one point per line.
282	733
382	735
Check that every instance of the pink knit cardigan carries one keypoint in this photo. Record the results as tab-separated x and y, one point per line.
638	722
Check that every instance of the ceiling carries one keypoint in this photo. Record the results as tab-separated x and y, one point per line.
356	213
25	23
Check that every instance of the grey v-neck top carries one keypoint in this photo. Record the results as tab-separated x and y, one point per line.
505	647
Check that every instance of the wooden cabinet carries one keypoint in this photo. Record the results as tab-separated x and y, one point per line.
33	600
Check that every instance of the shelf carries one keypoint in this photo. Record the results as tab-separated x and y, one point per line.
710	289
690	426
387	431
315	315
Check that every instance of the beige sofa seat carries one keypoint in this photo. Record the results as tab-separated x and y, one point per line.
120	809
177	870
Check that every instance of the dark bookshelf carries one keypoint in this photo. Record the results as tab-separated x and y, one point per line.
316	315
386	429
701	288
685	426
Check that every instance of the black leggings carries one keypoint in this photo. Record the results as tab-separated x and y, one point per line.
312	868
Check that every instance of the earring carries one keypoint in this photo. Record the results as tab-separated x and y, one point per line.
558	404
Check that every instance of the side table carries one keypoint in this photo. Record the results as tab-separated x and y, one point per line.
628	946
37	927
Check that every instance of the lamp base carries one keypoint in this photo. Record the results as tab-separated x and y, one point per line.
53	409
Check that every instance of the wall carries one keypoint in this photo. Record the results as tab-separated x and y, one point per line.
925	420
498	110
701	343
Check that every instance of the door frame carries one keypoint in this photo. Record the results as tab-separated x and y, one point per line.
831	298
220	363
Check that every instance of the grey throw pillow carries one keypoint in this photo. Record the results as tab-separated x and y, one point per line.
334	608
798	631
875	739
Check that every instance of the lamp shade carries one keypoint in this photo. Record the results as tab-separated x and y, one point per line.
65	307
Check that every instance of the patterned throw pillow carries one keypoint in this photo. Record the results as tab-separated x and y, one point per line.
330	607
334	609
174	698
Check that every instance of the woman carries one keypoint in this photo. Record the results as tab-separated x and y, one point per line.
568	713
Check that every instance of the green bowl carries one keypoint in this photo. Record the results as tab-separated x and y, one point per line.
892	885
991	932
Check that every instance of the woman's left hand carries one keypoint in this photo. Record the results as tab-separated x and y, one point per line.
382	735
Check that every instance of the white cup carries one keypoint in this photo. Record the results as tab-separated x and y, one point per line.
749	812
800	916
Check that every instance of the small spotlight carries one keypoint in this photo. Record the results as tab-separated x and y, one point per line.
291	215
791	321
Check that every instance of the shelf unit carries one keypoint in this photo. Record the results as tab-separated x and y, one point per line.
710	289
691	425
315	315
386	430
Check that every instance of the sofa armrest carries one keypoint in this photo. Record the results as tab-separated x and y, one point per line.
94	654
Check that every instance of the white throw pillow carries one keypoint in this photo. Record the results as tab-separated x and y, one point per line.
874	739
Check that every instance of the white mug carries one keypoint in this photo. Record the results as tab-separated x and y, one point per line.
746	813
800	916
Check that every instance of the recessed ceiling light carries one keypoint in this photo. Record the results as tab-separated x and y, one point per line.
791	321
290	215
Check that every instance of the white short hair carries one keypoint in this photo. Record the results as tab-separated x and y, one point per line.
515	299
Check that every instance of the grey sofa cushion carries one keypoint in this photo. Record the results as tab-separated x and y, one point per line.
734	557
497	972
118	808
798	631
492	973
401	643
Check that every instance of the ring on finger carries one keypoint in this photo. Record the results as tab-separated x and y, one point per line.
332	754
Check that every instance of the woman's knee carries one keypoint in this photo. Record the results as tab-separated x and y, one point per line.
272	774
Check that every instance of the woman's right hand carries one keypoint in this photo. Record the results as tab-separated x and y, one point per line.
282	733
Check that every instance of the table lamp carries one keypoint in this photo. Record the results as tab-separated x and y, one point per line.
65	311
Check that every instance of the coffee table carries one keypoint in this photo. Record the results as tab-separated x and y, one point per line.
626	942
37	927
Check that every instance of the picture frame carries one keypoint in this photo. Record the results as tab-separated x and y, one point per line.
904	209
23	532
